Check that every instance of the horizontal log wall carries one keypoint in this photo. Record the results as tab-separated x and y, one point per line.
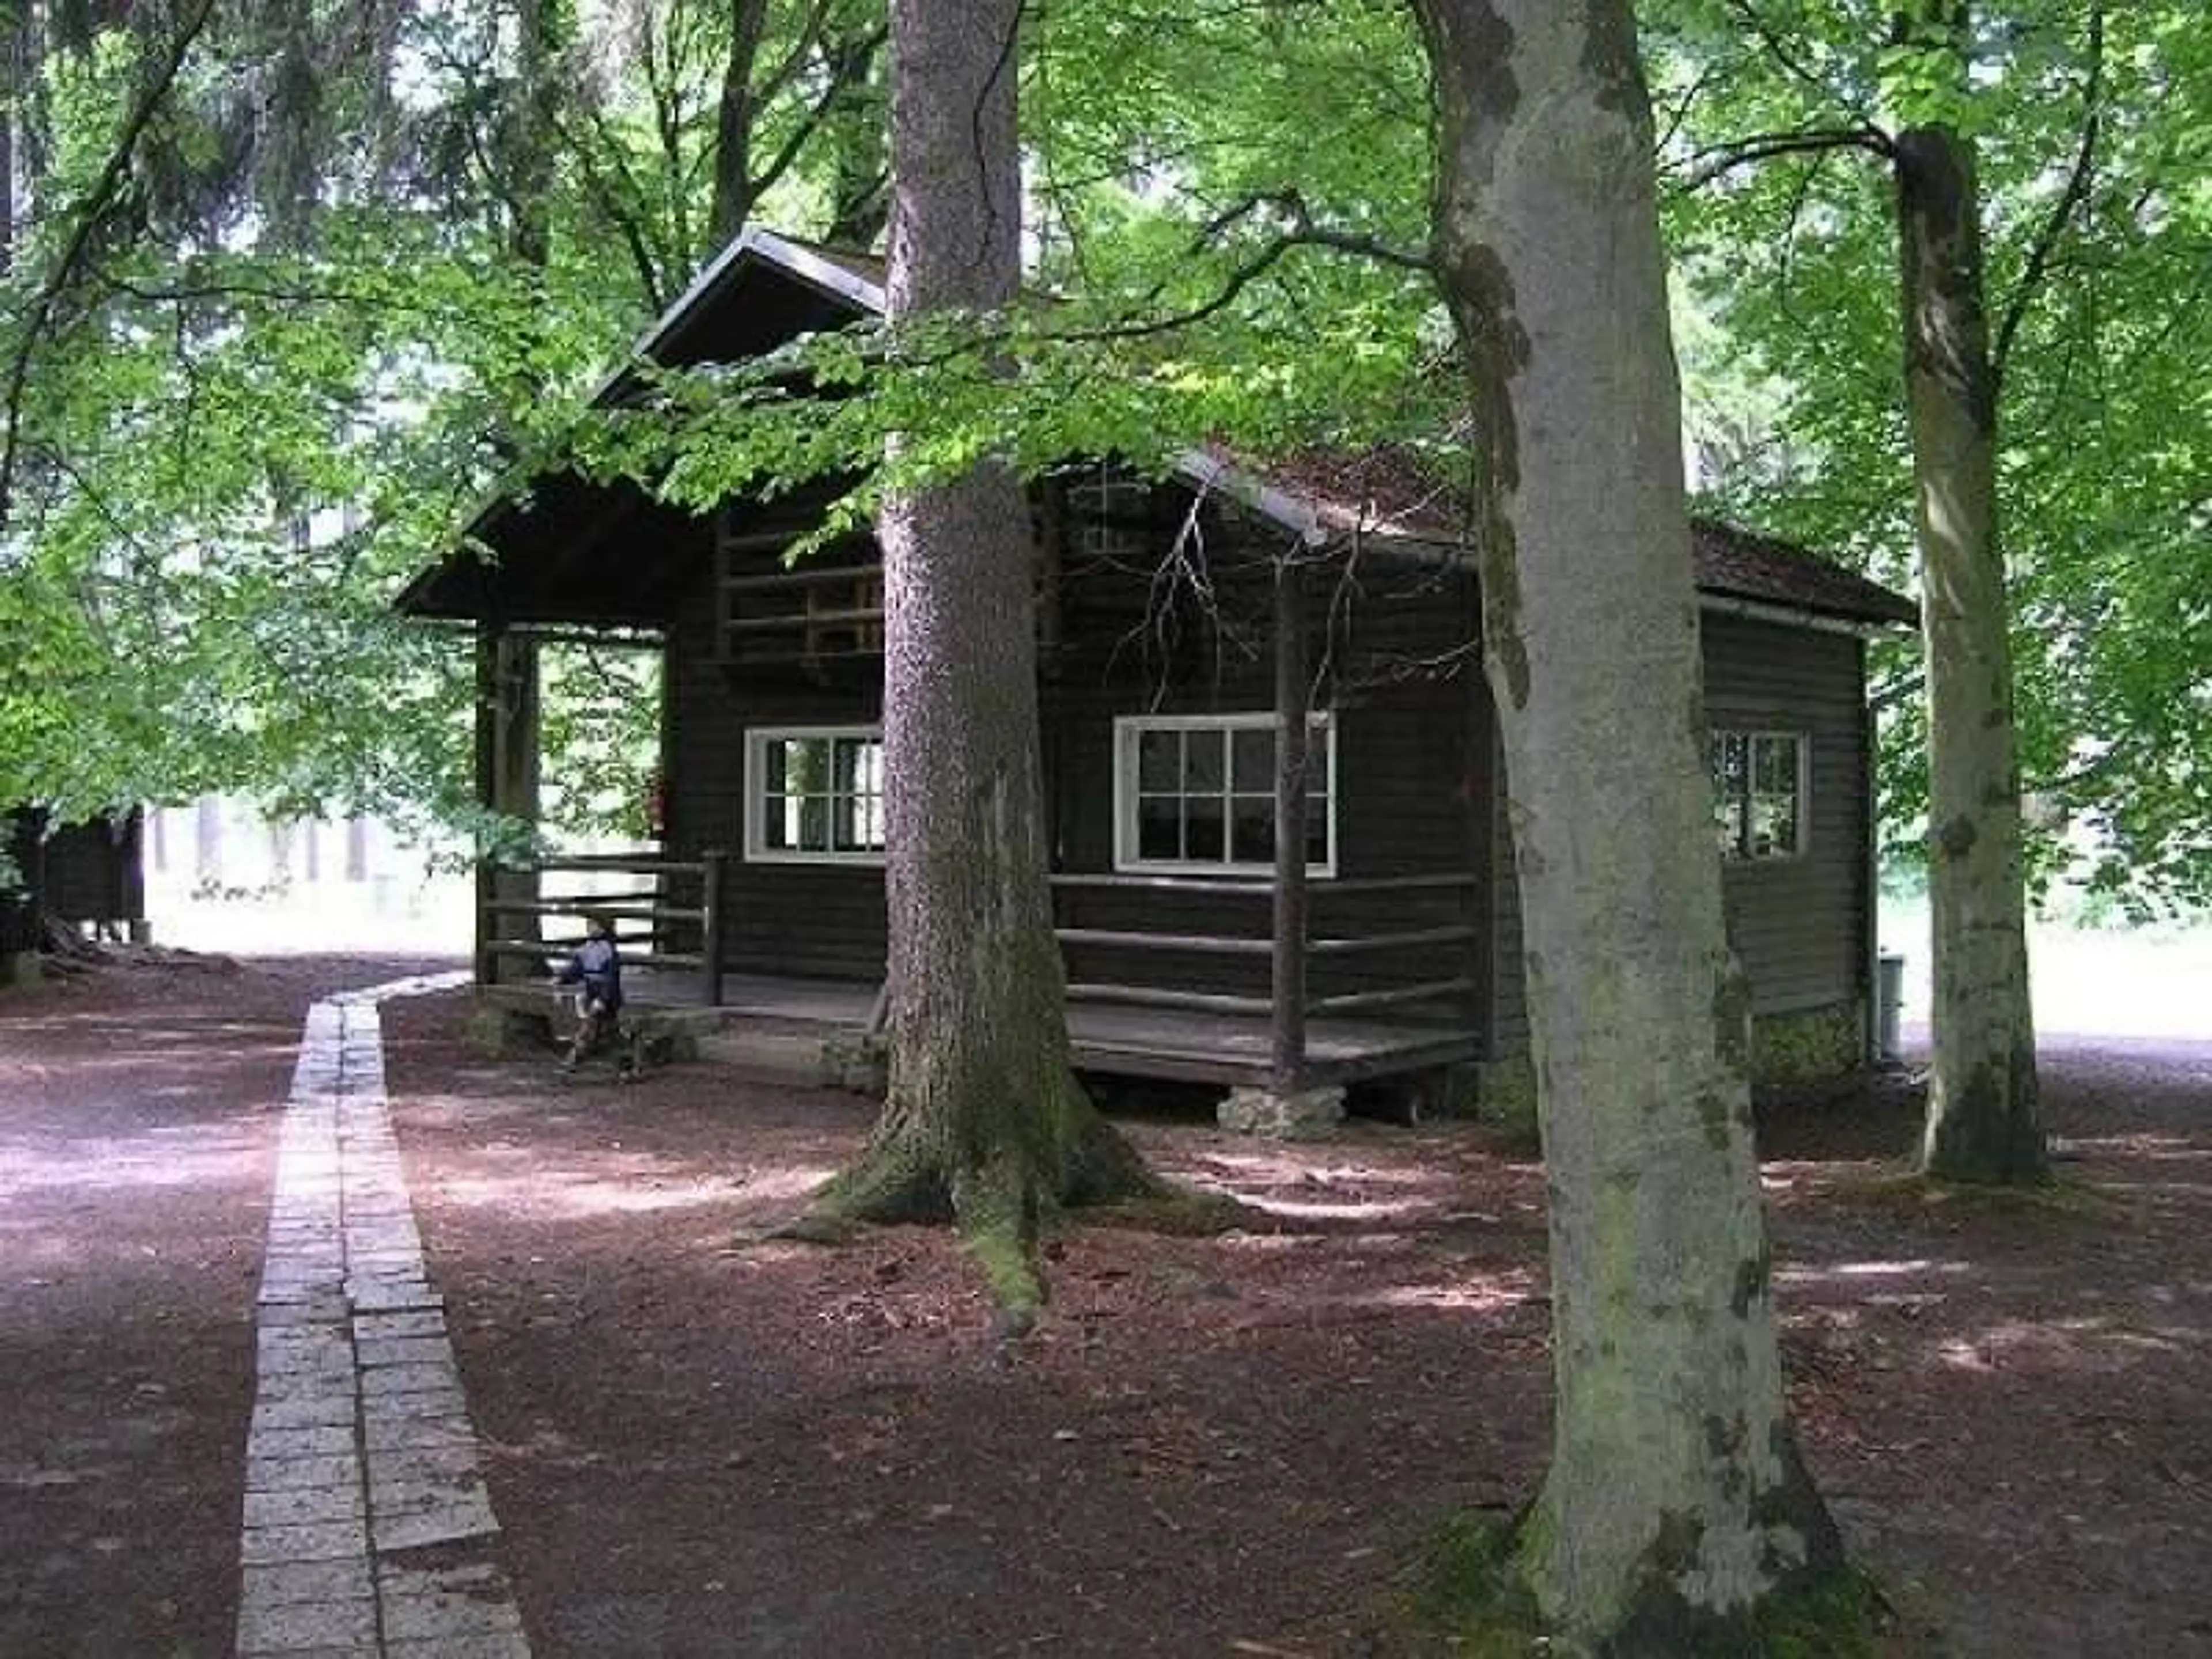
1413	761
1796	923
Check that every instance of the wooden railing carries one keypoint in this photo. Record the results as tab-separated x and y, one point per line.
1378	943
658	903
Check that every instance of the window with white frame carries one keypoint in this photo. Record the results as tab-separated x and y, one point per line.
815	794
1758	793
1197	792
1109	512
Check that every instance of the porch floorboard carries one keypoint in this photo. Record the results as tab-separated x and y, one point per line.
1180	1044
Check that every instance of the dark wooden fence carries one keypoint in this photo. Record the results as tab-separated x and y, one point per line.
669	918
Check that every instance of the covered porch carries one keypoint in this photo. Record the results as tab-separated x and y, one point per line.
1283	986
1234	1050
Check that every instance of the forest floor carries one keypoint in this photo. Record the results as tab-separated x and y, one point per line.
1240	1444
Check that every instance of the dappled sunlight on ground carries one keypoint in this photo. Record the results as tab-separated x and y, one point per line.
173	1157
1998	1391
1858	1272
1499	1294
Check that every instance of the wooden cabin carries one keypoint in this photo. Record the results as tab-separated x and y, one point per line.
89	875
1182	622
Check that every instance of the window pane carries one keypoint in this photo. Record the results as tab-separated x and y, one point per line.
1252	830
1204	756
1317	830
1159	761
798	766
813	823
1775	808
1777	768
775	768
1205	827
1159	827
1254	753
850	825
1728	765
846	778
778	823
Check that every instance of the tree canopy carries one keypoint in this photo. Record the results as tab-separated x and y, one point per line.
271	332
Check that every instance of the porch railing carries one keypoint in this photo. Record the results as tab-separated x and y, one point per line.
1401	952
671	915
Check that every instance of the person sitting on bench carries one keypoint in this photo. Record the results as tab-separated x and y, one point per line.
596	969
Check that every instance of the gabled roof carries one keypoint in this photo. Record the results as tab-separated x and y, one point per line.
1382	496
1388	493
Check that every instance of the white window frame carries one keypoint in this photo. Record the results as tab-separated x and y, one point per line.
757	738
1100	501
1127	729
1754	736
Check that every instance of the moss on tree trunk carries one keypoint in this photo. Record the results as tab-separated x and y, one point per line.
1983	1120
984	1123
1675	1506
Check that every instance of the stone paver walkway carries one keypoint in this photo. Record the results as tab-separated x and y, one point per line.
367	1527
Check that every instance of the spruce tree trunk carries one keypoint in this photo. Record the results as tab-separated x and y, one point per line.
1675	1501
985	1122
1984	1122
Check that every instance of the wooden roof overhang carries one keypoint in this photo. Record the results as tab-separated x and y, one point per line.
560	550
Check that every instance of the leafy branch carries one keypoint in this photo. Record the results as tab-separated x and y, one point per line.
97	204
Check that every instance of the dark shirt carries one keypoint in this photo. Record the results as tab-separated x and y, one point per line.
597	966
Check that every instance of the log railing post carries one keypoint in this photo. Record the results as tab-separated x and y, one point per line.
487	786
1287	1046
710	929
507	766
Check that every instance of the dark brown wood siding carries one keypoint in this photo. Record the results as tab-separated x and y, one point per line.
1413	766
1799	924
1388	651
822	920
88	872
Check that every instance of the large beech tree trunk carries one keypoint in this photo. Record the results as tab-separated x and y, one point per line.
984	1121
1984	1122
1675	1501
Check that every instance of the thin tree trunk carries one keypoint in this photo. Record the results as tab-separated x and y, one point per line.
529	158
1983	1122
1675	1503
985	1122
734	114
859	203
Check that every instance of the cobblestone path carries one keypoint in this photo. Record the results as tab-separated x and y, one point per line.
367	1531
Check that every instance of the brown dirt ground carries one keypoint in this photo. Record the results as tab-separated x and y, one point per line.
138	1117
1229	1445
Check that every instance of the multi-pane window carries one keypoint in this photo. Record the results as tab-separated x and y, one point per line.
1758	793
815	794
1109	512
1199	790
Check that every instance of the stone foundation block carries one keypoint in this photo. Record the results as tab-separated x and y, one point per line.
498	1032
1505	1095
856	1062
1308	1113
1807	1047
